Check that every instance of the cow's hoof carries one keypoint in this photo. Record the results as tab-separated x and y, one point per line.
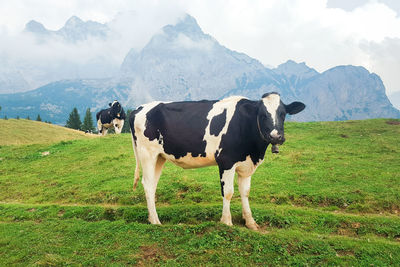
154	221
227	222
253	226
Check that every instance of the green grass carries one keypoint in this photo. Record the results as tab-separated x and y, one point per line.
331	197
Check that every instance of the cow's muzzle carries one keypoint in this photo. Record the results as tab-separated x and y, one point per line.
277	139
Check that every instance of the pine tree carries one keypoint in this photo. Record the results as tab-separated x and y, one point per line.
74	121
126	128
38	118
88	122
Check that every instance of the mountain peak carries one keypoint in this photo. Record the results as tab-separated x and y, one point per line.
187	25
291	67
34	26
73	21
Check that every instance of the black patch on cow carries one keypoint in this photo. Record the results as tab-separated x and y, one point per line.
182	127
132	116
221	173
242	138
217	123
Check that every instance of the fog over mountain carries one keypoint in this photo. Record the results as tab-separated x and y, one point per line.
181	62
74	30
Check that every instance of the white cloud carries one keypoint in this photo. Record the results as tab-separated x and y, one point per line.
185	42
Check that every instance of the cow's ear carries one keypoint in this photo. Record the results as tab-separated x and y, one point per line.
294	108
109	104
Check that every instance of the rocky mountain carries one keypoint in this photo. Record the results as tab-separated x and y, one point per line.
181	62
184	63
344	93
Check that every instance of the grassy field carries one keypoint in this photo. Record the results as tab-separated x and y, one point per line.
331	197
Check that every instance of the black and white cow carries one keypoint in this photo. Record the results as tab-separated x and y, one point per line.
232	133
112	117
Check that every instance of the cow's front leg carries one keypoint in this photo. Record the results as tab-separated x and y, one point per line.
244	189
227	177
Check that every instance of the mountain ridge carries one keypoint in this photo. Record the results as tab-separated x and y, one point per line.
74	30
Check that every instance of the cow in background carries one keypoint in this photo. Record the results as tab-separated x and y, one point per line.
232	133
112	117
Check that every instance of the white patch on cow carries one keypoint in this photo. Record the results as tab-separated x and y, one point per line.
190	162
271	103
247	167
213	141
115	101
274	133
108	125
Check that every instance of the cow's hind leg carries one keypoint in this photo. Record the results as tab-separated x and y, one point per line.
151	174
244	189
99	127
227	177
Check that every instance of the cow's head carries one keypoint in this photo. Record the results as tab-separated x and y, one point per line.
116	109
271	117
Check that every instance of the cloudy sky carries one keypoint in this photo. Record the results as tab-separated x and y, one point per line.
322	33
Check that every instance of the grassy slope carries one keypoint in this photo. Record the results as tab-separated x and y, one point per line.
312	201
23	132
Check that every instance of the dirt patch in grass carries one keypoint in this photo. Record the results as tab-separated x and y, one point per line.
393	122
344	253
60	213
151	254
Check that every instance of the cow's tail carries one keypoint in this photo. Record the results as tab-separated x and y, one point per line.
137	169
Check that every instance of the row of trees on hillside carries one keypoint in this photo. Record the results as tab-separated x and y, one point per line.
74	121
